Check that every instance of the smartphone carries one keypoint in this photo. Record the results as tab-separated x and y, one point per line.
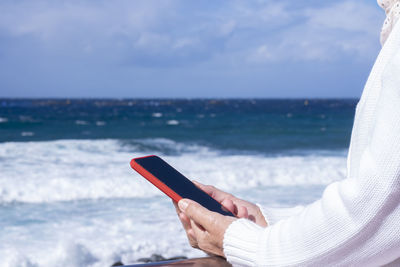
173	183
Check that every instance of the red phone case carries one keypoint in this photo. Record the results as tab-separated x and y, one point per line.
154	180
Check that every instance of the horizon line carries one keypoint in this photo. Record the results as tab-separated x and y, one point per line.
177	98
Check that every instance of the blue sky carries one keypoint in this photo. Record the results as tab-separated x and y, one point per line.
187	48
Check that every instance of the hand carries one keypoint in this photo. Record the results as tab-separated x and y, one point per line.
205	228
239	207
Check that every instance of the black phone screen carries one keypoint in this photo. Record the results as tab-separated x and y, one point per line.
179	183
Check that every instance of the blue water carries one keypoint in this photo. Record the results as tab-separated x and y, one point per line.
69	198
265	126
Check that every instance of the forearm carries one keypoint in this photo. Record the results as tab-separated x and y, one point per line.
356	222
340	229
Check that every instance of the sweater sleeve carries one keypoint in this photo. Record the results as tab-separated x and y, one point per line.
356	222
352	223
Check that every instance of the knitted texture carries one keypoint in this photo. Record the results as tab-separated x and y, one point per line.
392	10
357	220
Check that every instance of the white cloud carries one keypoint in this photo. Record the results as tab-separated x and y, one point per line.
347	28
228	27
184	43
68	18
172	32
261	54
349	16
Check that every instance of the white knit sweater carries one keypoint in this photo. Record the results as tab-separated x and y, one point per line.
392	10
357	220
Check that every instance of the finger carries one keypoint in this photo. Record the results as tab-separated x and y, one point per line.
205	240
198	184
229	205
212	191
185	221
198	213
242	212
192	236
206	188
189	231
197	230
182	217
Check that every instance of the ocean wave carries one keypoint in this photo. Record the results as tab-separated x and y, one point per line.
165	146
69	170
128	233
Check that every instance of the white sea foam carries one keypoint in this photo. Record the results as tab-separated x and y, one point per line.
172	122
81	122
121	233
41	172
23	118
157	115
78	202
27	133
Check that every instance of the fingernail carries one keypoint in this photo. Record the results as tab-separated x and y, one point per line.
183	205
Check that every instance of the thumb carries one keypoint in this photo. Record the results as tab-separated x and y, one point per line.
196	212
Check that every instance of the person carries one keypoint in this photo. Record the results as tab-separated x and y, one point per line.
356	221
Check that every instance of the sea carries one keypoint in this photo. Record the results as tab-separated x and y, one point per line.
68	196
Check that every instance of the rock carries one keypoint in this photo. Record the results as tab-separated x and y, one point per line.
153	258
177	258
158	257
